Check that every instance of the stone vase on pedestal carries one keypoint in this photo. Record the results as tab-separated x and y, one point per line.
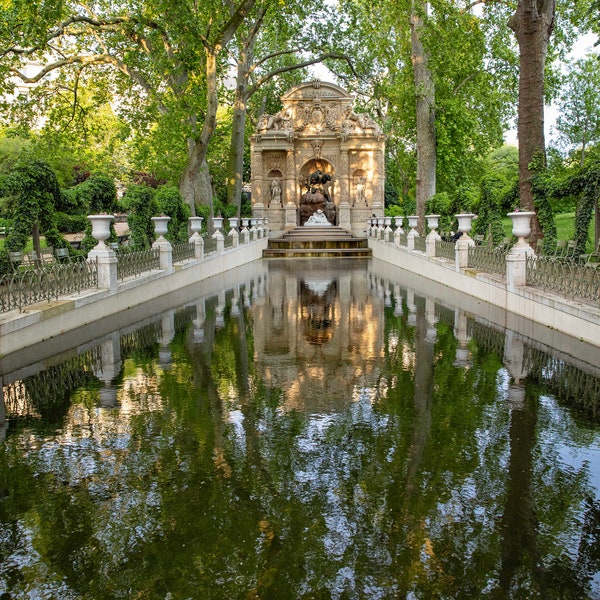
101	229
105	257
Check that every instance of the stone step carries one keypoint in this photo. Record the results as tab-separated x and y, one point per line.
319	243
312	242
317	253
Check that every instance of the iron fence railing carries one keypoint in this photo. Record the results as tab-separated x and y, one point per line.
420	244
183	251
133	263
565	278
30	286
403	239
445	249
486	258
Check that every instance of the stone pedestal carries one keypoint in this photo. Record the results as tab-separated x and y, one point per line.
516	266
107	262
290	216
461	251
165	253
344	216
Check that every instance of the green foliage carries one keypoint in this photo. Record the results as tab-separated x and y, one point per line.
11	148
465	199
489	218
543	209
203	210
169	202
391	195
35	192
578	121
441	204
68	223
98	194
585	181
141	206
224	210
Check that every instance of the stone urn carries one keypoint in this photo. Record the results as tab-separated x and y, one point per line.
160	226
196	225
217	223
521	225
413	221
465	222
101	228
233	222
433	221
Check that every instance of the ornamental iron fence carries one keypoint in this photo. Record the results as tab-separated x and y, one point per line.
45	283
492	260
420	244
133	263
183	251
564	278
445	249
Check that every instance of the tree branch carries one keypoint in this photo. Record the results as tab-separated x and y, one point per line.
331	55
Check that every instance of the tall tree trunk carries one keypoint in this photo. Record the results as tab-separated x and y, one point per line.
238	128
195	184
532	24
425	102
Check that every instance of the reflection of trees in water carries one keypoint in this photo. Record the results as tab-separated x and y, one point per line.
402	492
47	394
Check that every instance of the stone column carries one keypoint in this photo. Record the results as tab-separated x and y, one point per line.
291	219
235	301
432	236
219	309
344	177
289	188
431	335
413	233
516	260
198	333
378	176
257	180
344	215
3	423
463	354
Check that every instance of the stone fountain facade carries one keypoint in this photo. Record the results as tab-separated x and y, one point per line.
317	131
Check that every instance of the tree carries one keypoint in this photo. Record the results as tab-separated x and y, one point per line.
165	61
532	23
264	54
578	122
35	193
425	115
448	64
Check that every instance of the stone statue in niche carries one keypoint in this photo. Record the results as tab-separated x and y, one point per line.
360	193
275	193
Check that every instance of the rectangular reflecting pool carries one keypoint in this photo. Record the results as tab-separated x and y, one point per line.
304	430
